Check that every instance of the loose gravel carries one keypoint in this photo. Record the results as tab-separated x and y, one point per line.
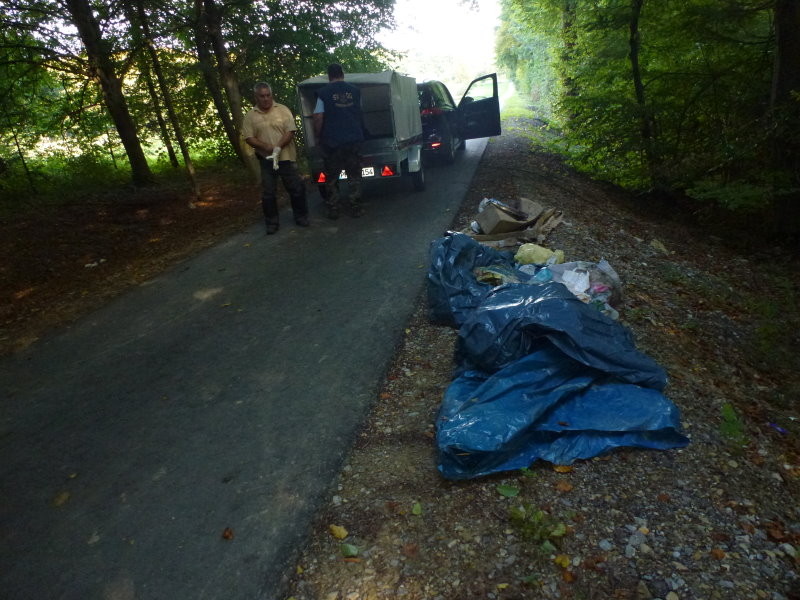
716	520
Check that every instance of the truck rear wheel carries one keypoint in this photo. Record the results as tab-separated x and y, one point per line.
418	179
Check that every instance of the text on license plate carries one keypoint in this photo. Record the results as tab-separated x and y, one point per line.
365	172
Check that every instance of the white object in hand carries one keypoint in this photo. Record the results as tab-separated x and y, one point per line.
276	152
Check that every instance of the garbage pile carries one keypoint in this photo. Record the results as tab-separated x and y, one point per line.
544	369
506	224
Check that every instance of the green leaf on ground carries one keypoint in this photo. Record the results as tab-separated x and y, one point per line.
509	491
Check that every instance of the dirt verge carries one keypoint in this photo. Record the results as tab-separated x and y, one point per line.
718	519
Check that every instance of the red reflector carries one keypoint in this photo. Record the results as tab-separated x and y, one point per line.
387	171
431	111
321	178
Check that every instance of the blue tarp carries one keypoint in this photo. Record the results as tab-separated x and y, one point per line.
541	375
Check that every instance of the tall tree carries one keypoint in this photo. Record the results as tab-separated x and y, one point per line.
785	110
143	22
102	70
207	38
647	125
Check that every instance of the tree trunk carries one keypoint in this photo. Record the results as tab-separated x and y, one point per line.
227	74
138	35
21	155
173	118
646	124
785	112
206	63
569	35
162	124
102	70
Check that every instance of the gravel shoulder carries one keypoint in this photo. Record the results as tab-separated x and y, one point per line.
718	519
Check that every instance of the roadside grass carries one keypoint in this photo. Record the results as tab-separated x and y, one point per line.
515	107
57	181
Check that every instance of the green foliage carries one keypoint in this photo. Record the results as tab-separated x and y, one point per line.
704	120
537	525
55	126
732	427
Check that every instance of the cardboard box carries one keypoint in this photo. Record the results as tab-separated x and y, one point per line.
493	219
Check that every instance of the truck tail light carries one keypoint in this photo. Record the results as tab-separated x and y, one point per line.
387	171
321	178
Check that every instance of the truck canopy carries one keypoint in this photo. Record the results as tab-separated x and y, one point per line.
389	103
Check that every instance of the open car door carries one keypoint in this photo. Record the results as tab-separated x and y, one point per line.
480	109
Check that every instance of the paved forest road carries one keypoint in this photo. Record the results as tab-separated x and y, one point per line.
222	394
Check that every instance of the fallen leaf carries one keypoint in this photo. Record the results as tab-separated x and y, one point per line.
657	245
227	534
718	553
349	550
502	586
562	560
592	562
509	491
352	559
410	550
568	576
563	468
385	396
564	486
775	532
60	499
663	498
395	507
416	509
337	531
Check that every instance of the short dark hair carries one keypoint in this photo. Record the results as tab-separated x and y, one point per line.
335	71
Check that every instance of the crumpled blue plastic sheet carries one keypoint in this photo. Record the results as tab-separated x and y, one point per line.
516	319
453	290
541	375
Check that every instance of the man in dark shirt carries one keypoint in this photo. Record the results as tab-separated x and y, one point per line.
338	126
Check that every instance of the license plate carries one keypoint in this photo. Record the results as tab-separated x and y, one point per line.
365	172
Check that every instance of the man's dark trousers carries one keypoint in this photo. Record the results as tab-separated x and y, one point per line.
347	158
287	173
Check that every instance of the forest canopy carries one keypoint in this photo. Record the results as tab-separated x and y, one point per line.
112	88
700	97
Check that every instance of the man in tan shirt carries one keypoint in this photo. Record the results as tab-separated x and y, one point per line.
269	128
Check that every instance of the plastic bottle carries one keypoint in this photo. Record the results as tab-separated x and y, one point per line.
543	275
